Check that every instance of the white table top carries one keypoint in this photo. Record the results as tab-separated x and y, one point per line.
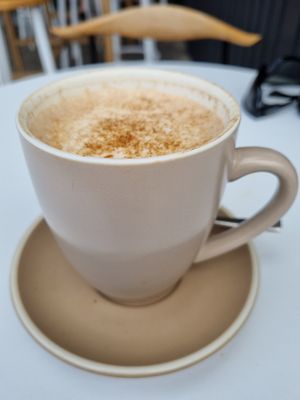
262	360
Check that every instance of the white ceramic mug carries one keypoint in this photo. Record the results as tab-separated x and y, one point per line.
133	227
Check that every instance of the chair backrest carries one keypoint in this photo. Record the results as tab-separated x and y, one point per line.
40	36
11	5
114	48
160	22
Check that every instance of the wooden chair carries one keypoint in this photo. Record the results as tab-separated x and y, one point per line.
40	37
147	47
68	13
159	22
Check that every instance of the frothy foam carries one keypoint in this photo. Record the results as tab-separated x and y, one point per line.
126	122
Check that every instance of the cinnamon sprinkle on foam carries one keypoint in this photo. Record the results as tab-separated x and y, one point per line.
126	123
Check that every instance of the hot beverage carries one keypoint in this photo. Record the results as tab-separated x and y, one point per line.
118	122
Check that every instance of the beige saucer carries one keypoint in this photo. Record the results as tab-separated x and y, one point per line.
75	323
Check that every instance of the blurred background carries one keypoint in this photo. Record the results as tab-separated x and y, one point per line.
26	28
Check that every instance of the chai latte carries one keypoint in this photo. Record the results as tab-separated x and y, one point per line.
126	122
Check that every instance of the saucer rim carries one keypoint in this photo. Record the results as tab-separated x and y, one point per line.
118	370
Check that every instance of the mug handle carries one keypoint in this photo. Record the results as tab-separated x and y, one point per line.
246	161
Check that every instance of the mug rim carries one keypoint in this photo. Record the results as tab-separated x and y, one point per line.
229	129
